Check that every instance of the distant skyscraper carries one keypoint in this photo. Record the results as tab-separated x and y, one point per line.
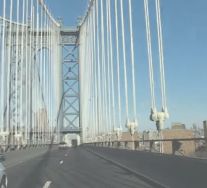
205	128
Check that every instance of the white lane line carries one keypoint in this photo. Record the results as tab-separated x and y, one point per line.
47	184
61	162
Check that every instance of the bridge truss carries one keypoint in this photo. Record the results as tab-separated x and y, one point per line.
70	72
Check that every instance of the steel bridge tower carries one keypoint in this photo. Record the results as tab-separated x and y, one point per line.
70	107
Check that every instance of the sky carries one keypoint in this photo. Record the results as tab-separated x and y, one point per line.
185	51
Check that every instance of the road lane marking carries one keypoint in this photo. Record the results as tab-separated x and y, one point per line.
61	162
66	155
47	184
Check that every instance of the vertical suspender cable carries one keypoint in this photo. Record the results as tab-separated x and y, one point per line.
111	65
2	64
30	76
98	68
16	70
42	63
22	66
89	71
50	85
124	60
33	75
86	75
80	78
161	55
83	75
9	67
47	78
41	44
48	89
105	106
46	70
108	68
44	74
161	61
88	78
39	72
44	124
44	79
92	77
52	102
102	75
90	61
102	105
46	62
118	63
132	60
149	51
26	75
87	58
95	71
46	129
36	75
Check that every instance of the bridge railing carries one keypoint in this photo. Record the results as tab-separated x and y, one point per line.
177	146
12	147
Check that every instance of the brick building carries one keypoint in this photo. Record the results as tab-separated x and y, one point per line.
186	147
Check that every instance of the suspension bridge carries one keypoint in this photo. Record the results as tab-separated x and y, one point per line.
58	81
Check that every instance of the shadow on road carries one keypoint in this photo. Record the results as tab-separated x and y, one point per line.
33	179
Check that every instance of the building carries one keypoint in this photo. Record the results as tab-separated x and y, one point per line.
183	147
150	135
41	128
126	136
178	126
205	128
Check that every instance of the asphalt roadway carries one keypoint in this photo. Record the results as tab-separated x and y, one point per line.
169	170
91	167
75	168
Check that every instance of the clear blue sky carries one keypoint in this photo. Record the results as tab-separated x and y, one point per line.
185	51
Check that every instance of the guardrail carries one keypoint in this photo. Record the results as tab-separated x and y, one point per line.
154	145
11	147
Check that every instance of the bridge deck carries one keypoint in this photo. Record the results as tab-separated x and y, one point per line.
80	169
104	167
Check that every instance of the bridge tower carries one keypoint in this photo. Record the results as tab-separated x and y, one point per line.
70	108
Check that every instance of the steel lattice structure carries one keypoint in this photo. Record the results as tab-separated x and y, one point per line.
70	72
